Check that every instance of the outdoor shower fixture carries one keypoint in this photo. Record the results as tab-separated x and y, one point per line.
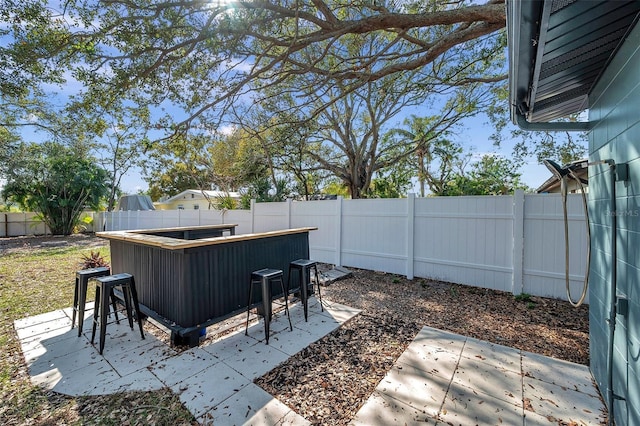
618	303
562	174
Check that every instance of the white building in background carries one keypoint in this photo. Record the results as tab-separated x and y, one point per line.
194	199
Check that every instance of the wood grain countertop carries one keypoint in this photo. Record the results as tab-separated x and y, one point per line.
144	237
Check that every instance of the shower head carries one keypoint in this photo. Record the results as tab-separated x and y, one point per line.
557	170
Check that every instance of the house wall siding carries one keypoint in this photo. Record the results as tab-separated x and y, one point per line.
614	106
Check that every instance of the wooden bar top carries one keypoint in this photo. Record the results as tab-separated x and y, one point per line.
182	228
144	237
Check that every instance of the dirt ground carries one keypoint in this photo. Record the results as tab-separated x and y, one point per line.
330	380
31	243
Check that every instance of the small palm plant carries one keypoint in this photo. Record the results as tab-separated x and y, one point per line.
93	260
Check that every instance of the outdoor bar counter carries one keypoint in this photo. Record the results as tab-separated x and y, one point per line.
190	277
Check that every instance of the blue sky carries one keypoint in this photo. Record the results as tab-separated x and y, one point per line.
474	135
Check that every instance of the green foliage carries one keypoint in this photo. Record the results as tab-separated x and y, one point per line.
93	260
55	182
394	184
492	175
335	187
523	297
263	191
454	292
432	158
225	202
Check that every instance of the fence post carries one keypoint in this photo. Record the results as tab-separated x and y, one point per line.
289	213
253	215
518	242
339	231
411	208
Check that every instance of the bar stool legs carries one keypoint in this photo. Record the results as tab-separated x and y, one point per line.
304	267
104	288
265	277
80	293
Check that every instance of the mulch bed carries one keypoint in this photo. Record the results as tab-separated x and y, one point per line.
330	380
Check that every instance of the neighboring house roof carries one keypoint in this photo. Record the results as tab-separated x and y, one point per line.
135	202
558	50
197	194
579	167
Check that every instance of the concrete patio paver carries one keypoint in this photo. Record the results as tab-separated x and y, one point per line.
485	384
440	378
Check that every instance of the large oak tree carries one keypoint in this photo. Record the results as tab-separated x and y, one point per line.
206	57
203	55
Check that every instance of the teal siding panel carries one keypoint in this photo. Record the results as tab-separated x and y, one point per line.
633	393
631	277
598	306
614	106
597	348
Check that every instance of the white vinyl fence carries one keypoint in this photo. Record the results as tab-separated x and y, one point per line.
508	243
19	224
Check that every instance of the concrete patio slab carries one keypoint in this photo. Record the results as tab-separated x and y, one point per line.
441	378
176	369
230	345
251	405
382	409
486	379
415	387
497	355
465	406
140	380
484	384
433	359
561	373
203	392
552	401
256	360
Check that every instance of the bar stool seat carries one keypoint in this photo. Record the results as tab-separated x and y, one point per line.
80	293
304	266
105	287
265	278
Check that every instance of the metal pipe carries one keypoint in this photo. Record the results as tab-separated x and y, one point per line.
574	126
614	290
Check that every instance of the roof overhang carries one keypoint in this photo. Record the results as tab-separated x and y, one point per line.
557	51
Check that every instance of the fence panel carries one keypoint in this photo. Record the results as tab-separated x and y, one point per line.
323	214
18	224
374	234
240	217
467	240
270	216
507	243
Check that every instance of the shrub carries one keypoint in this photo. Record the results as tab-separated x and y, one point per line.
93	260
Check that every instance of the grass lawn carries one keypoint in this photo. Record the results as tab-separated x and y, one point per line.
35	281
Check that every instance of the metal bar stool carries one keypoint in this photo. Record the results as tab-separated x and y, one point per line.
265	278
80	293
104	287
304	267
